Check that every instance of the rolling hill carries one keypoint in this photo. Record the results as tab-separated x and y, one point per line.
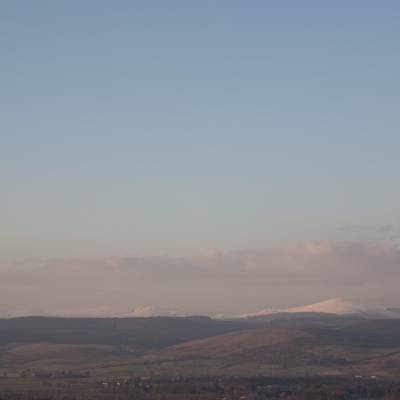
328	308
200	345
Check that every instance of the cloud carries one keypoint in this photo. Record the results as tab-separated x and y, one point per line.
368	228
237	281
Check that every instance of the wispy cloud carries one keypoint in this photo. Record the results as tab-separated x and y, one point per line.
368	228
236	281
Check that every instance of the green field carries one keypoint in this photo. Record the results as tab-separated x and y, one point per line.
99	361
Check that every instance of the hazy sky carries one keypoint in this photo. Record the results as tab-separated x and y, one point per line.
172	128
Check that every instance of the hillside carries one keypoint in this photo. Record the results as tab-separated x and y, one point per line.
329	309
360	349
198	346
144	333
233	343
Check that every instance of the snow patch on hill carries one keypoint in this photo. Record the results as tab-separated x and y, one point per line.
100	312
151	311
333	306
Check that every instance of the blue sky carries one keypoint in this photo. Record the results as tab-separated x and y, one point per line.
173	128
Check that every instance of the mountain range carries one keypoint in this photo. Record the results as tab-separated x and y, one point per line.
337	306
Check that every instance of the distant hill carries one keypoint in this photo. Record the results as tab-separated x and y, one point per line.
151	332
100	312
324	309
329	308
376	333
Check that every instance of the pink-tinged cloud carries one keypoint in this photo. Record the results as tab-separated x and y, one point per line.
238	281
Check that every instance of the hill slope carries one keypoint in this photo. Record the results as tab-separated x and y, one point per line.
231	343
331	307
152	332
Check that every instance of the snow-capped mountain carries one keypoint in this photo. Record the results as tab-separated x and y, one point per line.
333	306
101	312
341	307
151	311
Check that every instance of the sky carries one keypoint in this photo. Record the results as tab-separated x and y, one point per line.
152	133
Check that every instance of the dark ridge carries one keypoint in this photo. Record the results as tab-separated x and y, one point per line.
152	332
